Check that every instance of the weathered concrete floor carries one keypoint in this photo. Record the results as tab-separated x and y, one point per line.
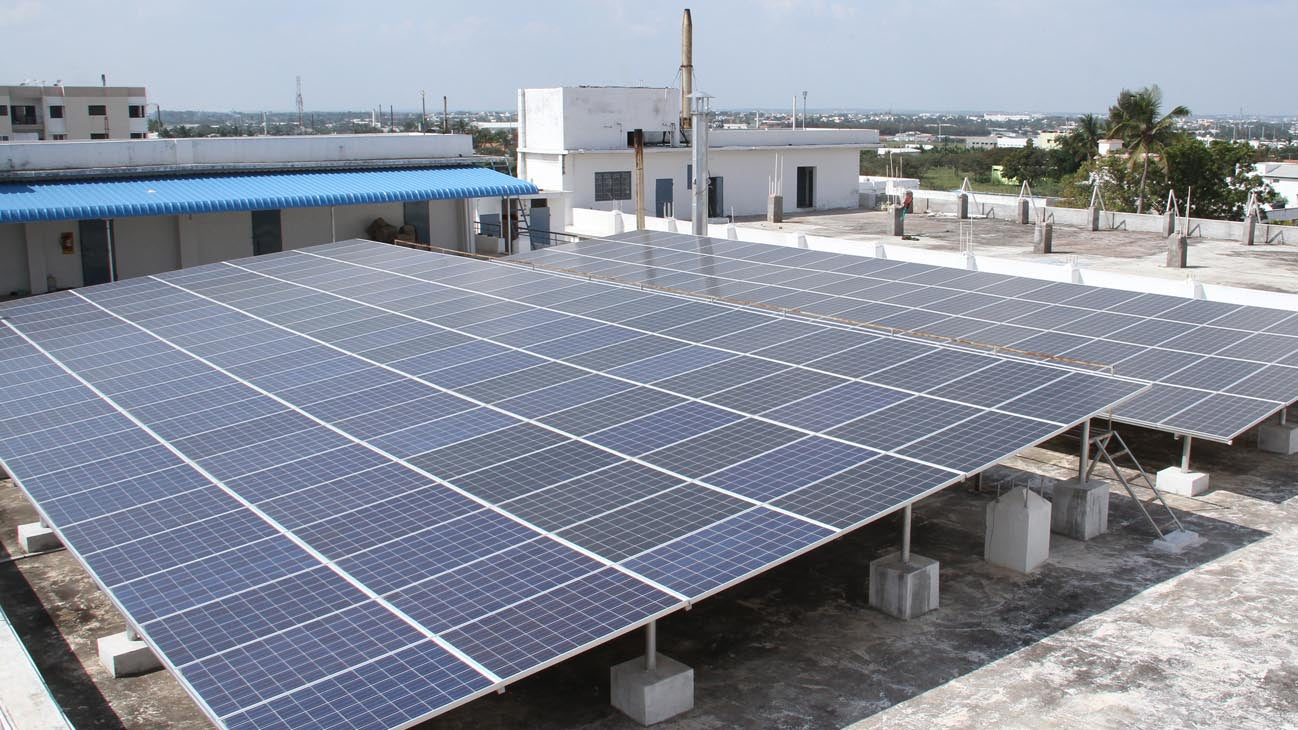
1273	267
1107	633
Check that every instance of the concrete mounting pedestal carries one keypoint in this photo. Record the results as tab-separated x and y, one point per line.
37	538
904	590
1022	211
1178	253
651	696
1018	531
1080	510
1175	480
1278	438
775	209
896	221
1093	218
1044	240
1250	230
1169	223
124	657
962	206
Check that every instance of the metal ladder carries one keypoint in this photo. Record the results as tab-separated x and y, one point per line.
1100	442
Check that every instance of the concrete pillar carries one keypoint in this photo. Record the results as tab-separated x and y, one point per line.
732	234
801	240
35	537
1178	253
651	688
1044	240
124	655
1023	211
1278	438
1094	218
1169	223
962	206
618	225
466	226
1080	510
896	221
1018	531
901	588
880	251
1250	229
775	209
671	225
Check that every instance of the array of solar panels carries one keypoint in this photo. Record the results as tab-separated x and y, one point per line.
1218	368
358	485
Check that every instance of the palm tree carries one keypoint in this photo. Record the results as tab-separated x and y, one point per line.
1088	132
1135	119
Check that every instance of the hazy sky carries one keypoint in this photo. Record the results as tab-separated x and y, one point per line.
1044	55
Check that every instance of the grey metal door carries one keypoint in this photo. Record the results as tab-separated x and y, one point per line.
416	214
663	196
716	197
539	226
266	235
96	258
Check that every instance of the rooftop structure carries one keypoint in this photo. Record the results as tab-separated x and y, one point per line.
36	113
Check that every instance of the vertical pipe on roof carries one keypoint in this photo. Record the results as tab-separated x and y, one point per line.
687	67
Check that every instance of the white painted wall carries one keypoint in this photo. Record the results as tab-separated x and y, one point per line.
13	260
445	224
350	221
746	173
146	245
232	150
212	237
45	256
300	227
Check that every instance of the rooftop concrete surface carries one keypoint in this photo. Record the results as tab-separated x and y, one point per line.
1107	632
1261	266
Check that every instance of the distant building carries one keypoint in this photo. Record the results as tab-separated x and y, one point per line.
36	113
578	140
1047	140
980	143
1013	143
164	204
1283	178
1109	147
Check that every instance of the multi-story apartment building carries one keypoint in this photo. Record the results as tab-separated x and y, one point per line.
31	113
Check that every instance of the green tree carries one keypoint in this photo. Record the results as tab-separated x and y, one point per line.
1080	145
1027	163
1220	177
1137	120
1118	181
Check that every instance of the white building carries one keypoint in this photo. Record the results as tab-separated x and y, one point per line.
578	140
1014	143
1283	178
159	205
34	113
1108	147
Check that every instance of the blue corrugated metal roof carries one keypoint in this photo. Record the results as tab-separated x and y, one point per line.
26	202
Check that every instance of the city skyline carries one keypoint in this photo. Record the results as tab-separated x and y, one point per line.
1003	55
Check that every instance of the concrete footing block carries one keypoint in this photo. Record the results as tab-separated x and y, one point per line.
36	538
651	697
124	657
896	221
1185	483
904	590
1178	253
1278	438
775	209
1080	510
1018	531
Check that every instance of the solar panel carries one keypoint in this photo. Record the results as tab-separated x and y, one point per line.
359	471
1152	337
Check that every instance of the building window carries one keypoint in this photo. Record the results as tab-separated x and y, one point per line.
57	137
56	111
99	135
137	135
97	110
24	114
135	111
4	110
612	186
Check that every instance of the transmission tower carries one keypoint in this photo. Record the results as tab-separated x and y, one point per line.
299	102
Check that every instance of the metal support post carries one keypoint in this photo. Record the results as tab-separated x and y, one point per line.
1185	453
699	145
905	536
638	139
1084	456
131	634
651	646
